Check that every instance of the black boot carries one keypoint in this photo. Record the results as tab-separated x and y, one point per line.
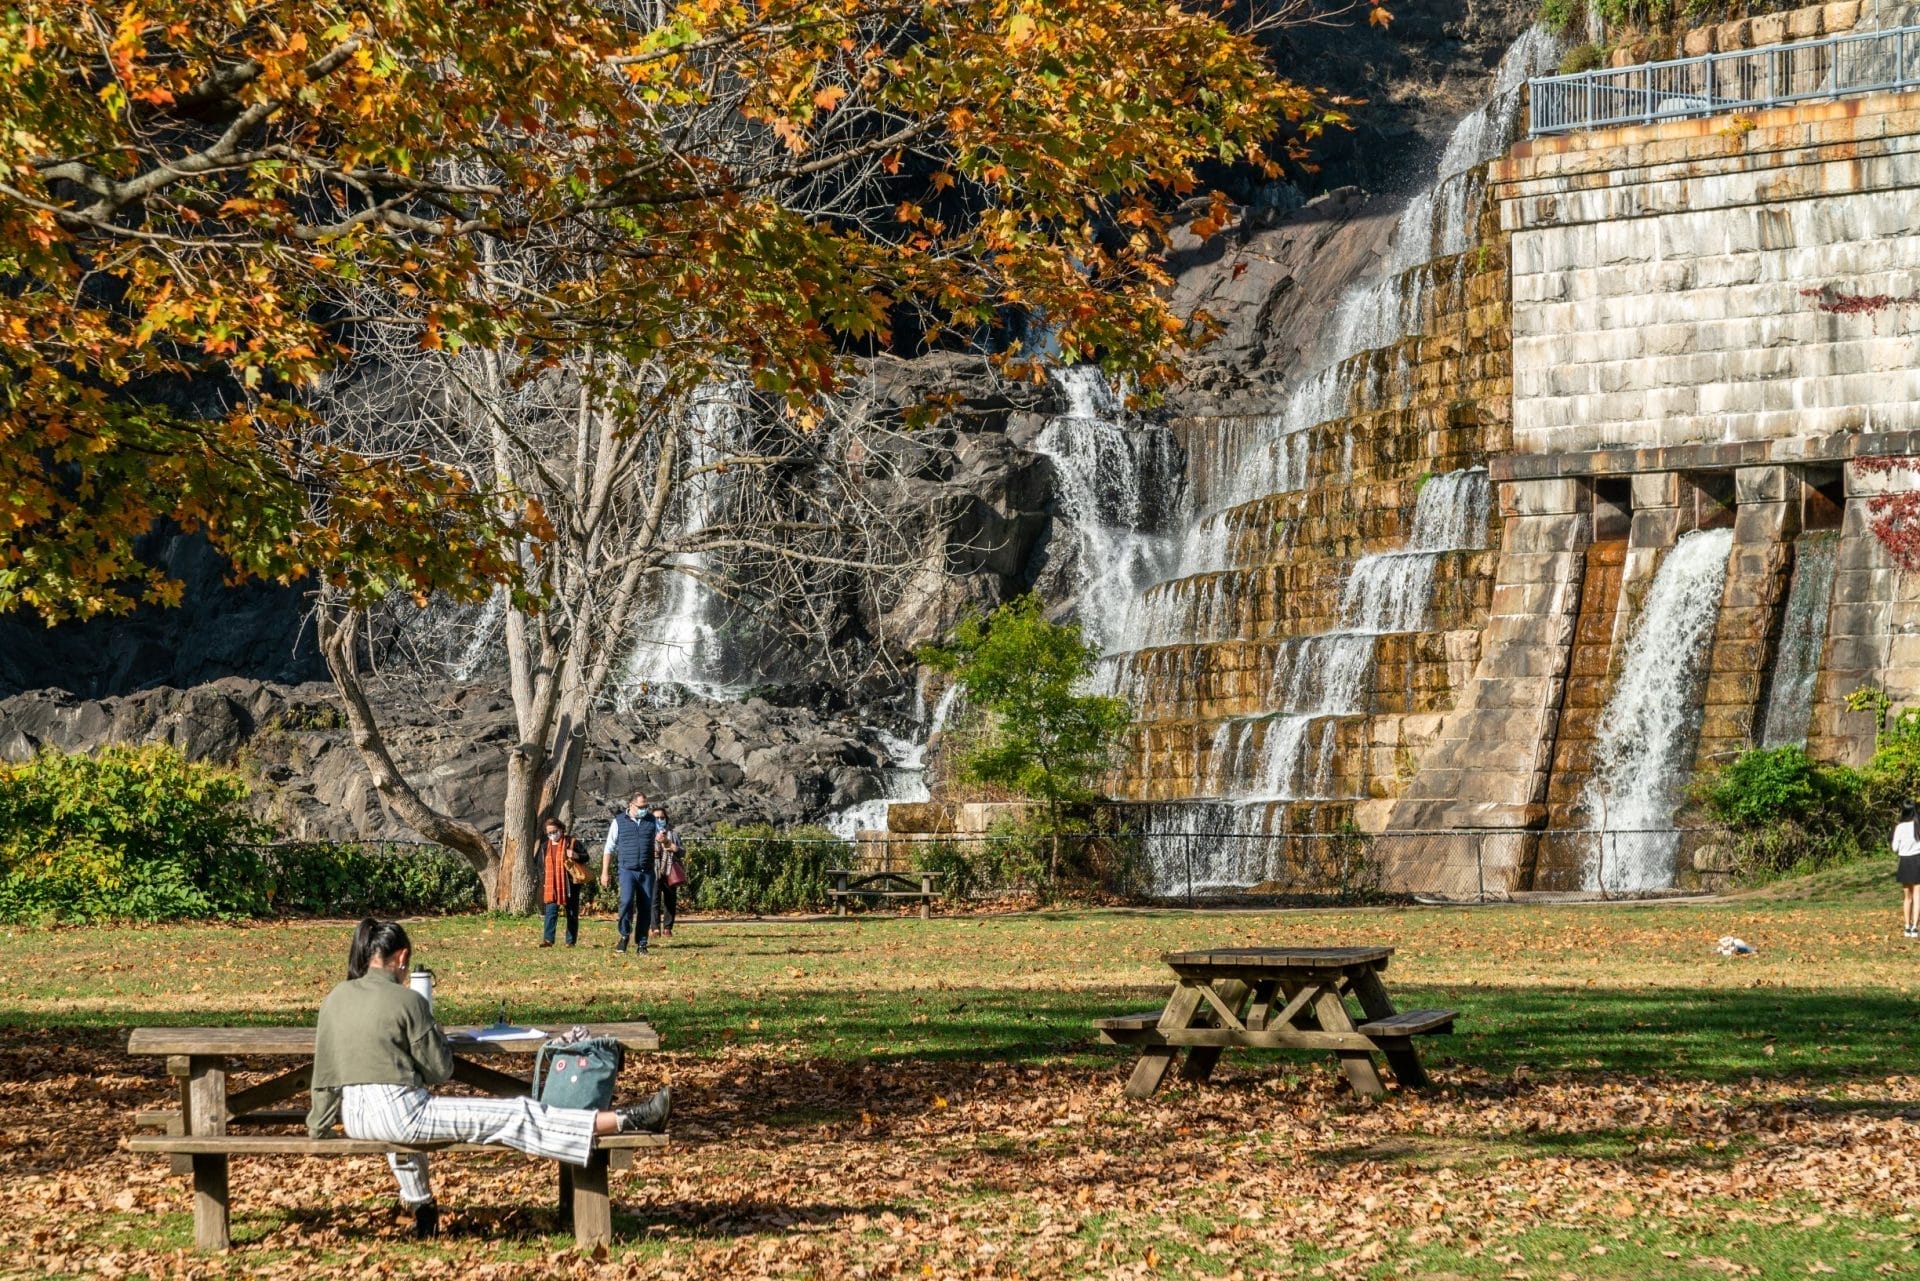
648	1116
426	1220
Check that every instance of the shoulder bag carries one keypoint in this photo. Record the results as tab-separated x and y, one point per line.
579	1072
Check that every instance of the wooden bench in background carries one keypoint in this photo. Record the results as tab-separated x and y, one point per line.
850	883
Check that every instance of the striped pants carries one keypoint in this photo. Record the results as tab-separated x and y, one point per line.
408	1114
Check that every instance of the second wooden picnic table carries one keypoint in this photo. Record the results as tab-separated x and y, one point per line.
1277	998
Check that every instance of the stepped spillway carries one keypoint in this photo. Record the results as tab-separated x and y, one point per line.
1325	566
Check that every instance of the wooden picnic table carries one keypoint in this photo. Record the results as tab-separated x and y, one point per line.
854	882
197	1139
1277	998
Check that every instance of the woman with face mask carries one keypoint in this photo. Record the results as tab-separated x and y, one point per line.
564	870
668	874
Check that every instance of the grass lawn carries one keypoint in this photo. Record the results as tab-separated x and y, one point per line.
890	1097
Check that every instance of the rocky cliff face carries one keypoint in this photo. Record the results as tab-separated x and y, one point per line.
255	630
1276	277
227	677
977	502
742	762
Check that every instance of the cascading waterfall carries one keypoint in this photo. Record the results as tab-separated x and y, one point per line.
906	776
1114	480
1270	454
1151	602
1254	761
480	639
1327	676
1384	591
1797	661
678	649
1651	721
1439	221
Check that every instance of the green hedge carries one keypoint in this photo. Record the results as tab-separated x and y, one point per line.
1015	856
377	878
143	834
757	868
132	833
1788	813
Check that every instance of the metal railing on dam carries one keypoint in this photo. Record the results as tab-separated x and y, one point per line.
1860	62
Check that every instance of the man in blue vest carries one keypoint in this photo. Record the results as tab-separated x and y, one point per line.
630	848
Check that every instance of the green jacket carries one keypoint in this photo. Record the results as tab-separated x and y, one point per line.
373	1031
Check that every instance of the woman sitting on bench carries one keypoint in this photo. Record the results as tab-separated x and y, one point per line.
377	1048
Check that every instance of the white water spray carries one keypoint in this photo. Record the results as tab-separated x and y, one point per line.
1114	479
1216	579
678	649
906	776
1650	724
1797	661
1439	221
480	640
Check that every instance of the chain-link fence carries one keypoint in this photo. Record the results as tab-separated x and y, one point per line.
1209	867
760	872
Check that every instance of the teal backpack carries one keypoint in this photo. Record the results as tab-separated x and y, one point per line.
578	1073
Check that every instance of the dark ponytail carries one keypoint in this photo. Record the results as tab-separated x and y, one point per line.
373	938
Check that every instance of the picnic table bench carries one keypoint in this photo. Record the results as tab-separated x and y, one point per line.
1276	998
198	1140
853	882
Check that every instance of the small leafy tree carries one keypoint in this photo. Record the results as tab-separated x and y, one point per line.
1045	739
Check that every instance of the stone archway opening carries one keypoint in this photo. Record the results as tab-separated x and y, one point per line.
1612	508
1711	495
1823	498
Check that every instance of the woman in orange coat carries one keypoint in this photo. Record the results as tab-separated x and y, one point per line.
558	886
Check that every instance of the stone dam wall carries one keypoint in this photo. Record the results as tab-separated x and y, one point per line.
1711	320
1647	336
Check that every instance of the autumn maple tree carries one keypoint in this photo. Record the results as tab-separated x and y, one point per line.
207	209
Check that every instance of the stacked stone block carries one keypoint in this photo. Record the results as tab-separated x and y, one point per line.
1490	759
1873	624
1711	309
1589	678
1807	23
1759	572
1709	280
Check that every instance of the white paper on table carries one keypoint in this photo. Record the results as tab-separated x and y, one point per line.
503	1032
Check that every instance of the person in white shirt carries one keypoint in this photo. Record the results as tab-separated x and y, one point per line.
1906	849
630	847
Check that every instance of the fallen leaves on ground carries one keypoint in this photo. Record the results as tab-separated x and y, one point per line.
786	1165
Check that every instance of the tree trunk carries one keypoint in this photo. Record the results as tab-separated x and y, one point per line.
521	816
563	782
339	639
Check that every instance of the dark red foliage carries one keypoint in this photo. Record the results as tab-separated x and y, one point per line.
1894	518
1839	304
